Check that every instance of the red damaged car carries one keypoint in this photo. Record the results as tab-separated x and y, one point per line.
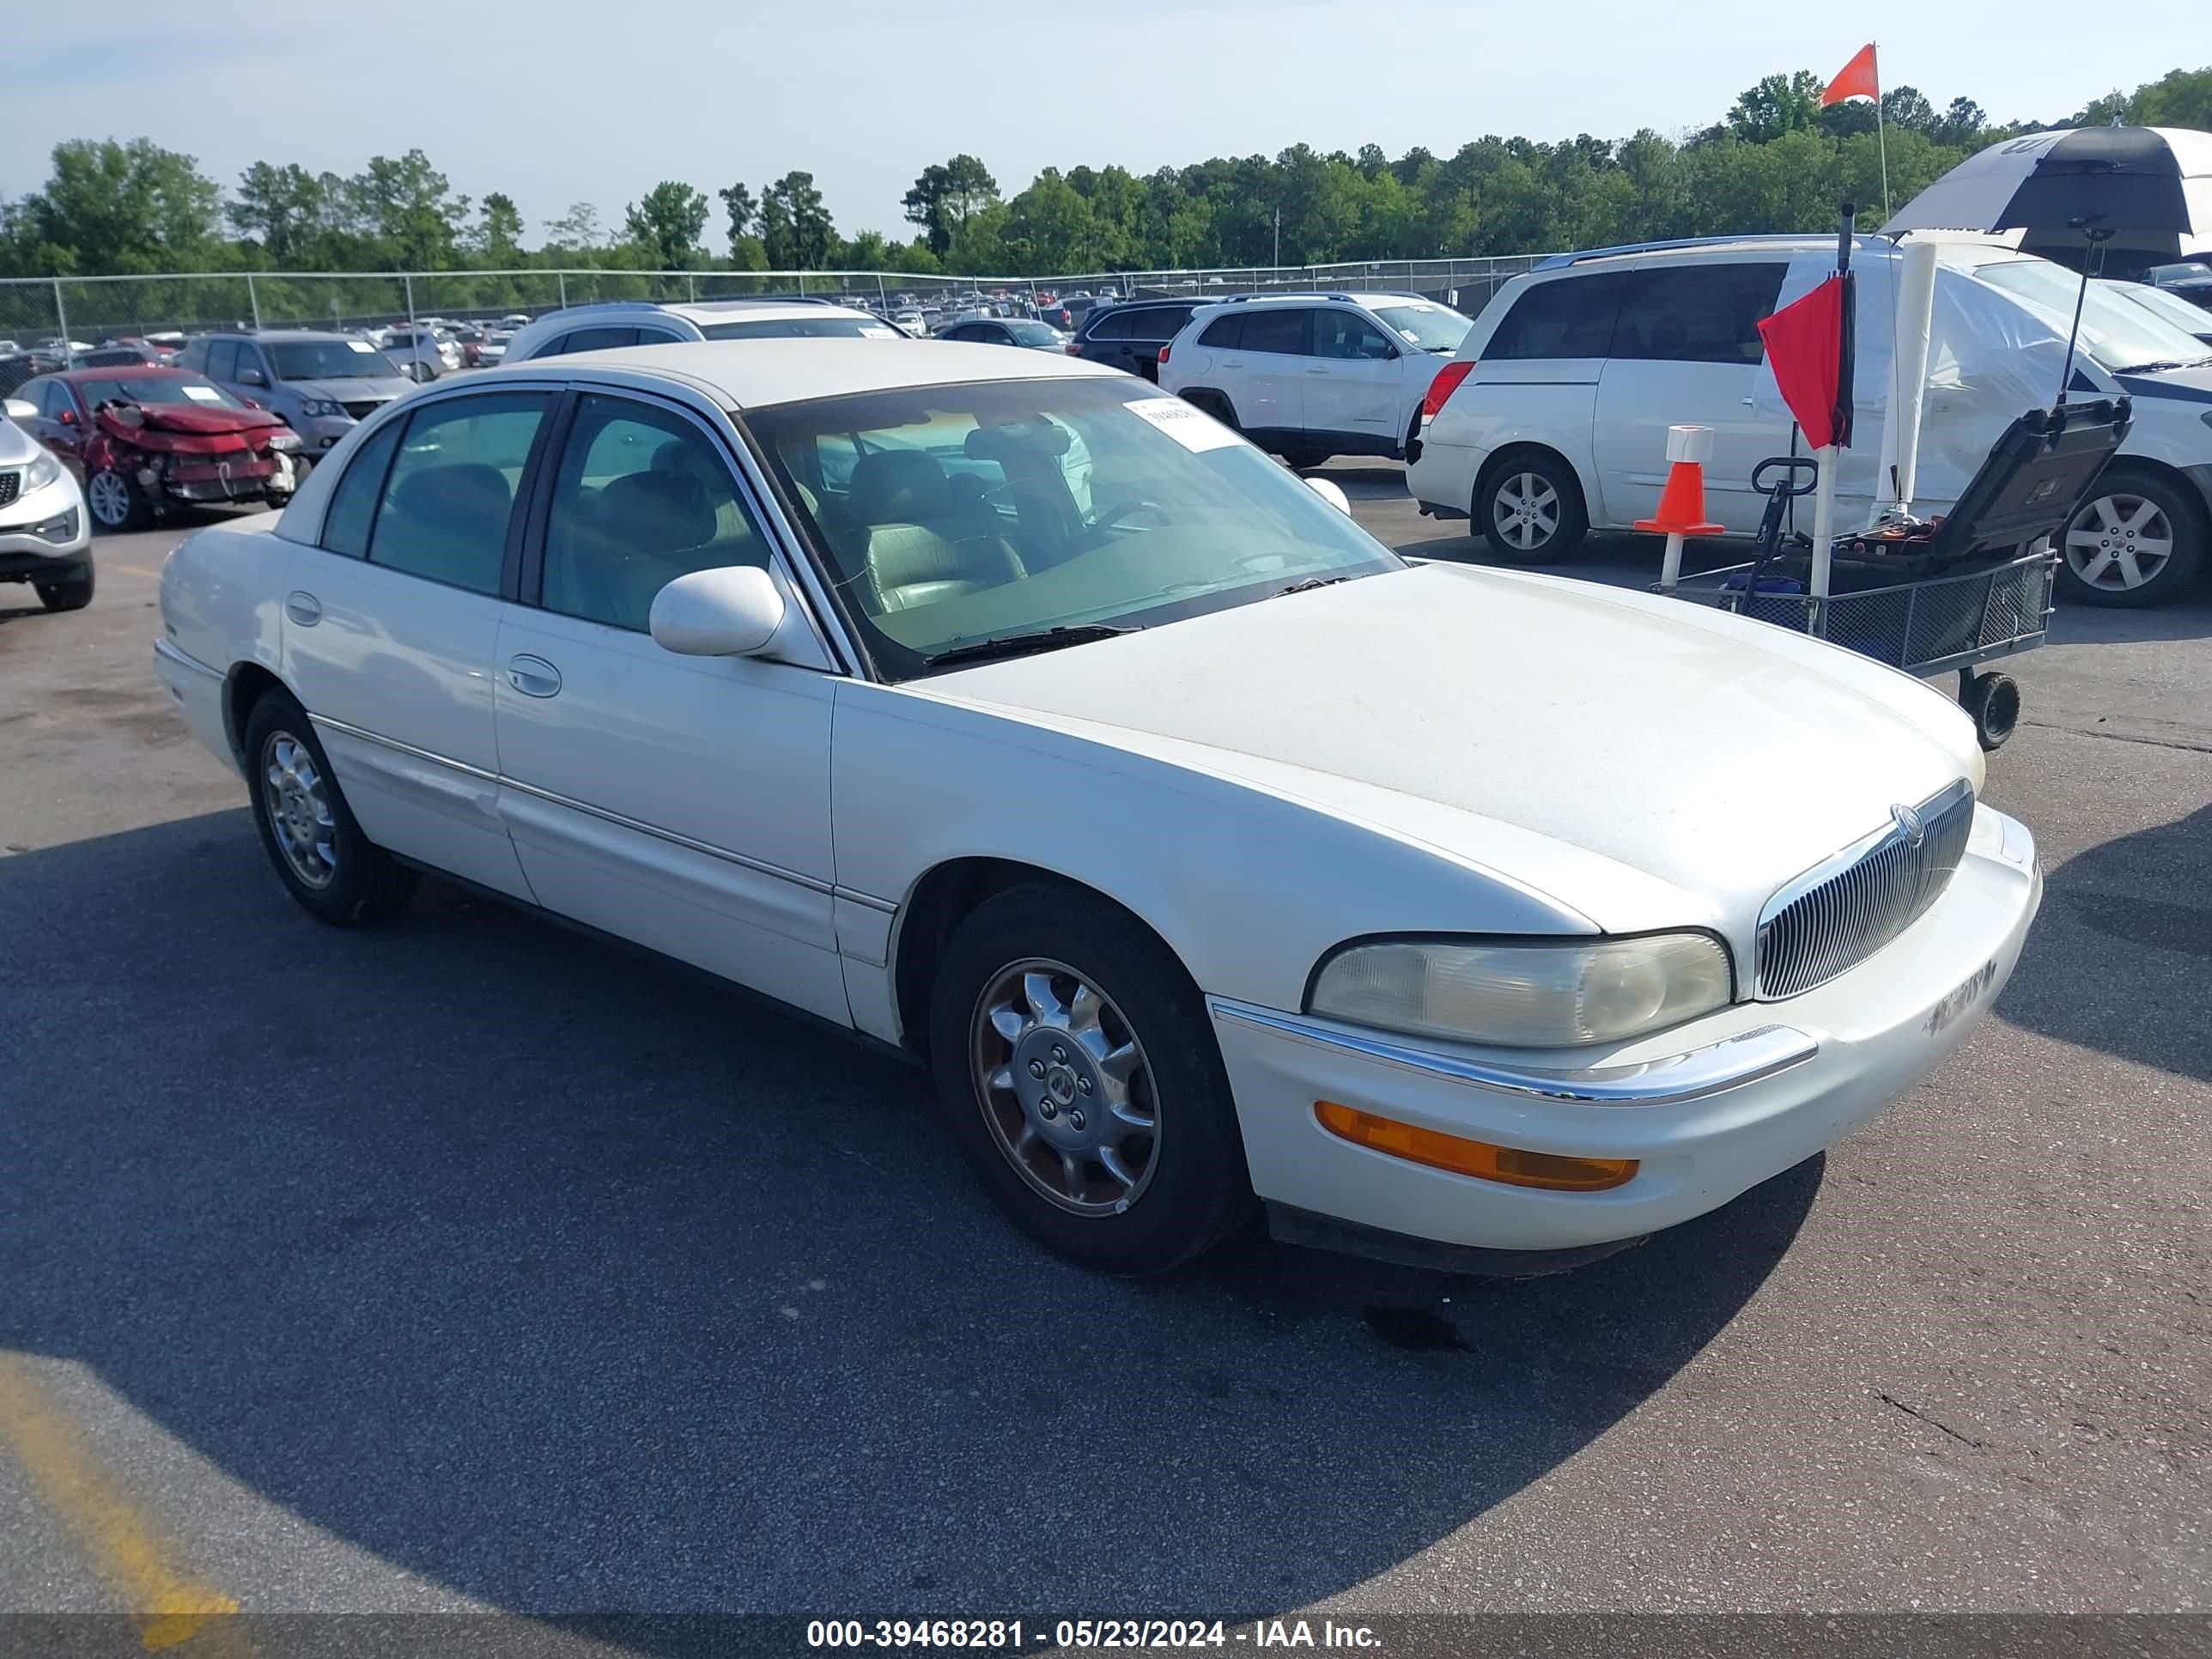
147	441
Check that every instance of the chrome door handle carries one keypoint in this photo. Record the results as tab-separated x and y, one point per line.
304	609
1748	404
1316	371
534	677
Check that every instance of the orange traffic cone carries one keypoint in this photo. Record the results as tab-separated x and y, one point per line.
1682	503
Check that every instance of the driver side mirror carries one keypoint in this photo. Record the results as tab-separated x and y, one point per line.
20	409
734	611
251	377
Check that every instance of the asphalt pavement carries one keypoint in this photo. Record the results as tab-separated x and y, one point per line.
463	1262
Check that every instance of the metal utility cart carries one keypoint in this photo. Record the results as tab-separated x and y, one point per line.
1972	586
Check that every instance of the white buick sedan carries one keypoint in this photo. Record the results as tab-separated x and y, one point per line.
1211	856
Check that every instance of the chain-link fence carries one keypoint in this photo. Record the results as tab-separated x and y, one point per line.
61	316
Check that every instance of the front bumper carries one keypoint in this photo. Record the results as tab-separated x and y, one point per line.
1709	1109
46	530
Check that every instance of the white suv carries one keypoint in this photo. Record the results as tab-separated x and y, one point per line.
620	323
1552	419
1313	375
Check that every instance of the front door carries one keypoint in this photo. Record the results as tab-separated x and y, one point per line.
1354	379
682	802
1686	350
389	628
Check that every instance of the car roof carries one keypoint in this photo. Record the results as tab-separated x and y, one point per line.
757	373
274	336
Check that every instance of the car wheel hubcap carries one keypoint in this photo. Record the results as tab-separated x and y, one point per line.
2118	542
299	810
109	498
1064	1088
1525	510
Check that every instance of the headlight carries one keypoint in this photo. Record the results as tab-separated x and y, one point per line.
42	471
283	440
1546	995
318	408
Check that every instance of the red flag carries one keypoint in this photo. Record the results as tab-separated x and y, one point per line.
1807	343
1856	79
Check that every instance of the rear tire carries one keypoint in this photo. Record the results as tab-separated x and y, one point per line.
71	592
1214	405
1530	507
2138	540
1058	1028
332	870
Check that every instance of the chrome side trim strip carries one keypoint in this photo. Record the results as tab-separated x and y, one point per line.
1731	1063
742	860
383	742
169	653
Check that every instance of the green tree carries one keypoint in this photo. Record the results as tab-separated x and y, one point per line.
947	196
1778	104
795	225
664	225
576	231
111	207
408	207
2182	98
497	237
281	208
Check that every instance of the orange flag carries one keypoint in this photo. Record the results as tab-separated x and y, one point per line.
1856	79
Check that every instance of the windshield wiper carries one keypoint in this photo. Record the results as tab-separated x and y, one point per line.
1021	645
1309	584
2160	367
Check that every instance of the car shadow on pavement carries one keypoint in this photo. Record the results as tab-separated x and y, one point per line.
2132	921
569	1281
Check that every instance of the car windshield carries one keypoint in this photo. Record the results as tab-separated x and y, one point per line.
2117	334
331	360
1429	327
1034	334
2188	270
946	516
832	327
157	389
2189	319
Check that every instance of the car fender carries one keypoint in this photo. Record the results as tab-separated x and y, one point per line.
1486	417
223	596
1251	871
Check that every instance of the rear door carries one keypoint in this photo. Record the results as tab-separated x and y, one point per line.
1685	350
1354	383
391	625
1266	375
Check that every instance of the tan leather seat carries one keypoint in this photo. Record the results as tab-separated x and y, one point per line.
925	541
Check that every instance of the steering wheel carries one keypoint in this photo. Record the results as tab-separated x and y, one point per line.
1106	518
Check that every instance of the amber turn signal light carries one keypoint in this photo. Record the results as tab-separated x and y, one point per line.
1479	1158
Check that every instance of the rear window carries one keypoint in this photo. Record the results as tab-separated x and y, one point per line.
1223	331
1566	317
1107	325
811	328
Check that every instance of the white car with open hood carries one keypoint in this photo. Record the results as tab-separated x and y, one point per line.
1211	856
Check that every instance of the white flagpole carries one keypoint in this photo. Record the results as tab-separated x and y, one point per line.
1880	133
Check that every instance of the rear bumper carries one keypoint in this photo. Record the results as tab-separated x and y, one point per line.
196	693
1709	1110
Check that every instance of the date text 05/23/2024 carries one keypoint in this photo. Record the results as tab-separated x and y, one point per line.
1017	1635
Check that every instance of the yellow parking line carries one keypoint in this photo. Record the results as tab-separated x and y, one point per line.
132	571
168	1606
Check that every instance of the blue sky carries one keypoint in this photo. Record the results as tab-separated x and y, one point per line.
596	105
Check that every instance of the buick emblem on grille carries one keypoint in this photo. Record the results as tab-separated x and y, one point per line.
1909	821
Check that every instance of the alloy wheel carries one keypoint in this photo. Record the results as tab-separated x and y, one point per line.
108	495
299	810
1526	509
1064	1088
2118	542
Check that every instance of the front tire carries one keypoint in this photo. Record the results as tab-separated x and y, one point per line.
70	592
1078	1072
1530	508
333	871
114	503
2138	540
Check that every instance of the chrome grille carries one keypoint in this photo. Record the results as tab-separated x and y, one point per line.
10	484
362	410
1841	911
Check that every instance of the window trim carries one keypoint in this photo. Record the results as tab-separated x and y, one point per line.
1305	314
376	501
1657	272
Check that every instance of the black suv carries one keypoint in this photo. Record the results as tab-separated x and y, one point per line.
1129	336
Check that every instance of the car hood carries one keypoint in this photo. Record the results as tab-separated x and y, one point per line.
1720	757
17	446
349	392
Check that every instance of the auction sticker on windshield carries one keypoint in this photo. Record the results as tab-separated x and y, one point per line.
1193	429
202	394
361	345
